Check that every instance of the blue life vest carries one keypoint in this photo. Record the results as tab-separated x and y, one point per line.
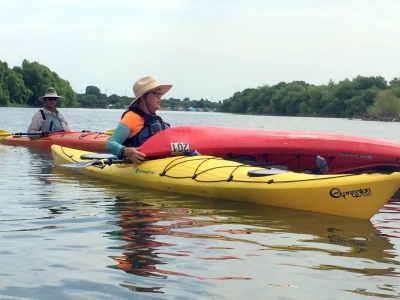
152	125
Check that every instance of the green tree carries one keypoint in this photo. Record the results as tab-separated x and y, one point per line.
395	87
38	78
293	95
93	98
386	105
94	90
113	99
12	87
344	90
260	102
363	83
172	103
4	95
88	101
313	106
17	90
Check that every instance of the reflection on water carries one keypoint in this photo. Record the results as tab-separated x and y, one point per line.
389	224
142	223
66	236
164	235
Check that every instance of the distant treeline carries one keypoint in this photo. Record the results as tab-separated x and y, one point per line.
361	97
22	86
93	98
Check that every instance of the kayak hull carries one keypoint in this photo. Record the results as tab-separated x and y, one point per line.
296	151
90	141
350	195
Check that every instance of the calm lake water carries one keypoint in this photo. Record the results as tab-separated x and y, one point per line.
65	236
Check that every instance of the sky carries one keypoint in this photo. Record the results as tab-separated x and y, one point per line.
207	49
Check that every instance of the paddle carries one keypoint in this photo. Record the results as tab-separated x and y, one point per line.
4	133
96	162
109	132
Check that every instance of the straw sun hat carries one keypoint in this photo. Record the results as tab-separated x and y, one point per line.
146	84
50	93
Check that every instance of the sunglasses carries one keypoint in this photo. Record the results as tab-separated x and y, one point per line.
156	93
52	99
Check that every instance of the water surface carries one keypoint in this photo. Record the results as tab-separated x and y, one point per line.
66	236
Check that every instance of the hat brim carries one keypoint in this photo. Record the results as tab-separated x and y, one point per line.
163	89
41	98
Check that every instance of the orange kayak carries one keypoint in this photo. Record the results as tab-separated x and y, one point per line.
88	141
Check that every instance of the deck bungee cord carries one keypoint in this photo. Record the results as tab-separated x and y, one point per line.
181	160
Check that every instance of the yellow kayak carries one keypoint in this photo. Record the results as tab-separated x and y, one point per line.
350	195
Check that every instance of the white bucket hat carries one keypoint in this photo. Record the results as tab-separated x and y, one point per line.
50	93
146	84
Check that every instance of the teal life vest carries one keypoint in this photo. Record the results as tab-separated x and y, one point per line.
53	122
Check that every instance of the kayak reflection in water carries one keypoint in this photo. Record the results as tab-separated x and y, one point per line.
140	121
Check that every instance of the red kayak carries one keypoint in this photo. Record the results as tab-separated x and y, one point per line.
293	150
296	151
89	141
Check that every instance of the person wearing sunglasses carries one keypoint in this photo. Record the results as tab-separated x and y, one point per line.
48	119
139	122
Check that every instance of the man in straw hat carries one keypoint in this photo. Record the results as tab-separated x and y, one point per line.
140	121
48	119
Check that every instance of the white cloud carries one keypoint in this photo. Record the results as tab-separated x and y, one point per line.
206	49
